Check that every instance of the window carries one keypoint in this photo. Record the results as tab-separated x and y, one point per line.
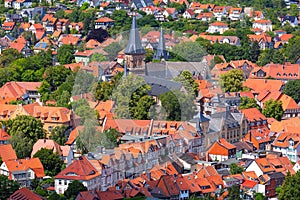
66	183
59	182
49	128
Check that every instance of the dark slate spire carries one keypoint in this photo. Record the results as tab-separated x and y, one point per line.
161	51
134	43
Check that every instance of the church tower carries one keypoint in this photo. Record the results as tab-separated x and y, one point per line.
134	52
161	52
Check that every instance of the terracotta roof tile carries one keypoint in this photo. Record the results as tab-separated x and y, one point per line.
7	152
25	164
24	194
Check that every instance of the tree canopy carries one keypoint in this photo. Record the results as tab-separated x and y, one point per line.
248	103
273	109
290	188
292	89
65	54
8	187
189	51
51	161
189	83
232	81
25	131
73	189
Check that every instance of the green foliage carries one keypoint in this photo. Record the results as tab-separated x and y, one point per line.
83	110
65	54
188	82
273	109
188	51
98	57
83	83
234	193
260	196
292	89
63	99
84	6
177	106
54	77
25	131
290	188
7	74
235	169
8	187
232	81
179	7
113	49
248	103
58	134
51	161
148	20
9	55
122	22
60	14
291	50
128	96
149	55
270	55
73	189
109	138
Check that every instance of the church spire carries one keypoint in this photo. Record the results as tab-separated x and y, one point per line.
161	51
134	43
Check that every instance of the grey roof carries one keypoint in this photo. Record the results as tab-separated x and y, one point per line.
161	86
170	70
134	45
161	48
142	3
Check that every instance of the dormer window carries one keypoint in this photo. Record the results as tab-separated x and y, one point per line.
278	74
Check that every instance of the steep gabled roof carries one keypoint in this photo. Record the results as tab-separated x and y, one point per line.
7	152
134	45
25	194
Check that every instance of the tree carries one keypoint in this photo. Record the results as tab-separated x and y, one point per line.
7	74
73	189
149	55
177	106
60	14
51	161
54	77
8	187
292	89
232	81
98	57
189	83
248	103
273	109
254	51
189	51
103	91
83	110
98	34
113	49
109	138
235	169
58	134
290	188
9	55
259	196
25	131
63	99
127	95
234	193
292	48
65	54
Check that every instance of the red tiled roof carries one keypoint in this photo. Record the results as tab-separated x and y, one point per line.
25	164
24	194
253	114
249	184
7	152
104	19
80	169
3	135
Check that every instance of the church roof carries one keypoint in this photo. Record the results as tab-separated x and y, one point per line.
134	45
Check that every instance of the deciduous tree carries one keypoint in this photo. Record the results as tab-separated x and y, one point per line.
73	189
8	187
292	88
232	81
273	109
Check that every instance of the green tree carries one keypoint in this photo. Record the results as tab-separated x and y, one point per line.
189	51
109	138
127	95
60	14
25	131
235	169
189	83
8	187
254	52
103	91
259	196
98	57
232	81
65	54
7	74
234	193
290	188
51	161
149	55
58	134
144	108
73	189
55	76
63	99
248	103
291	49
177	106
292	89
273	108
9	55
113	49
